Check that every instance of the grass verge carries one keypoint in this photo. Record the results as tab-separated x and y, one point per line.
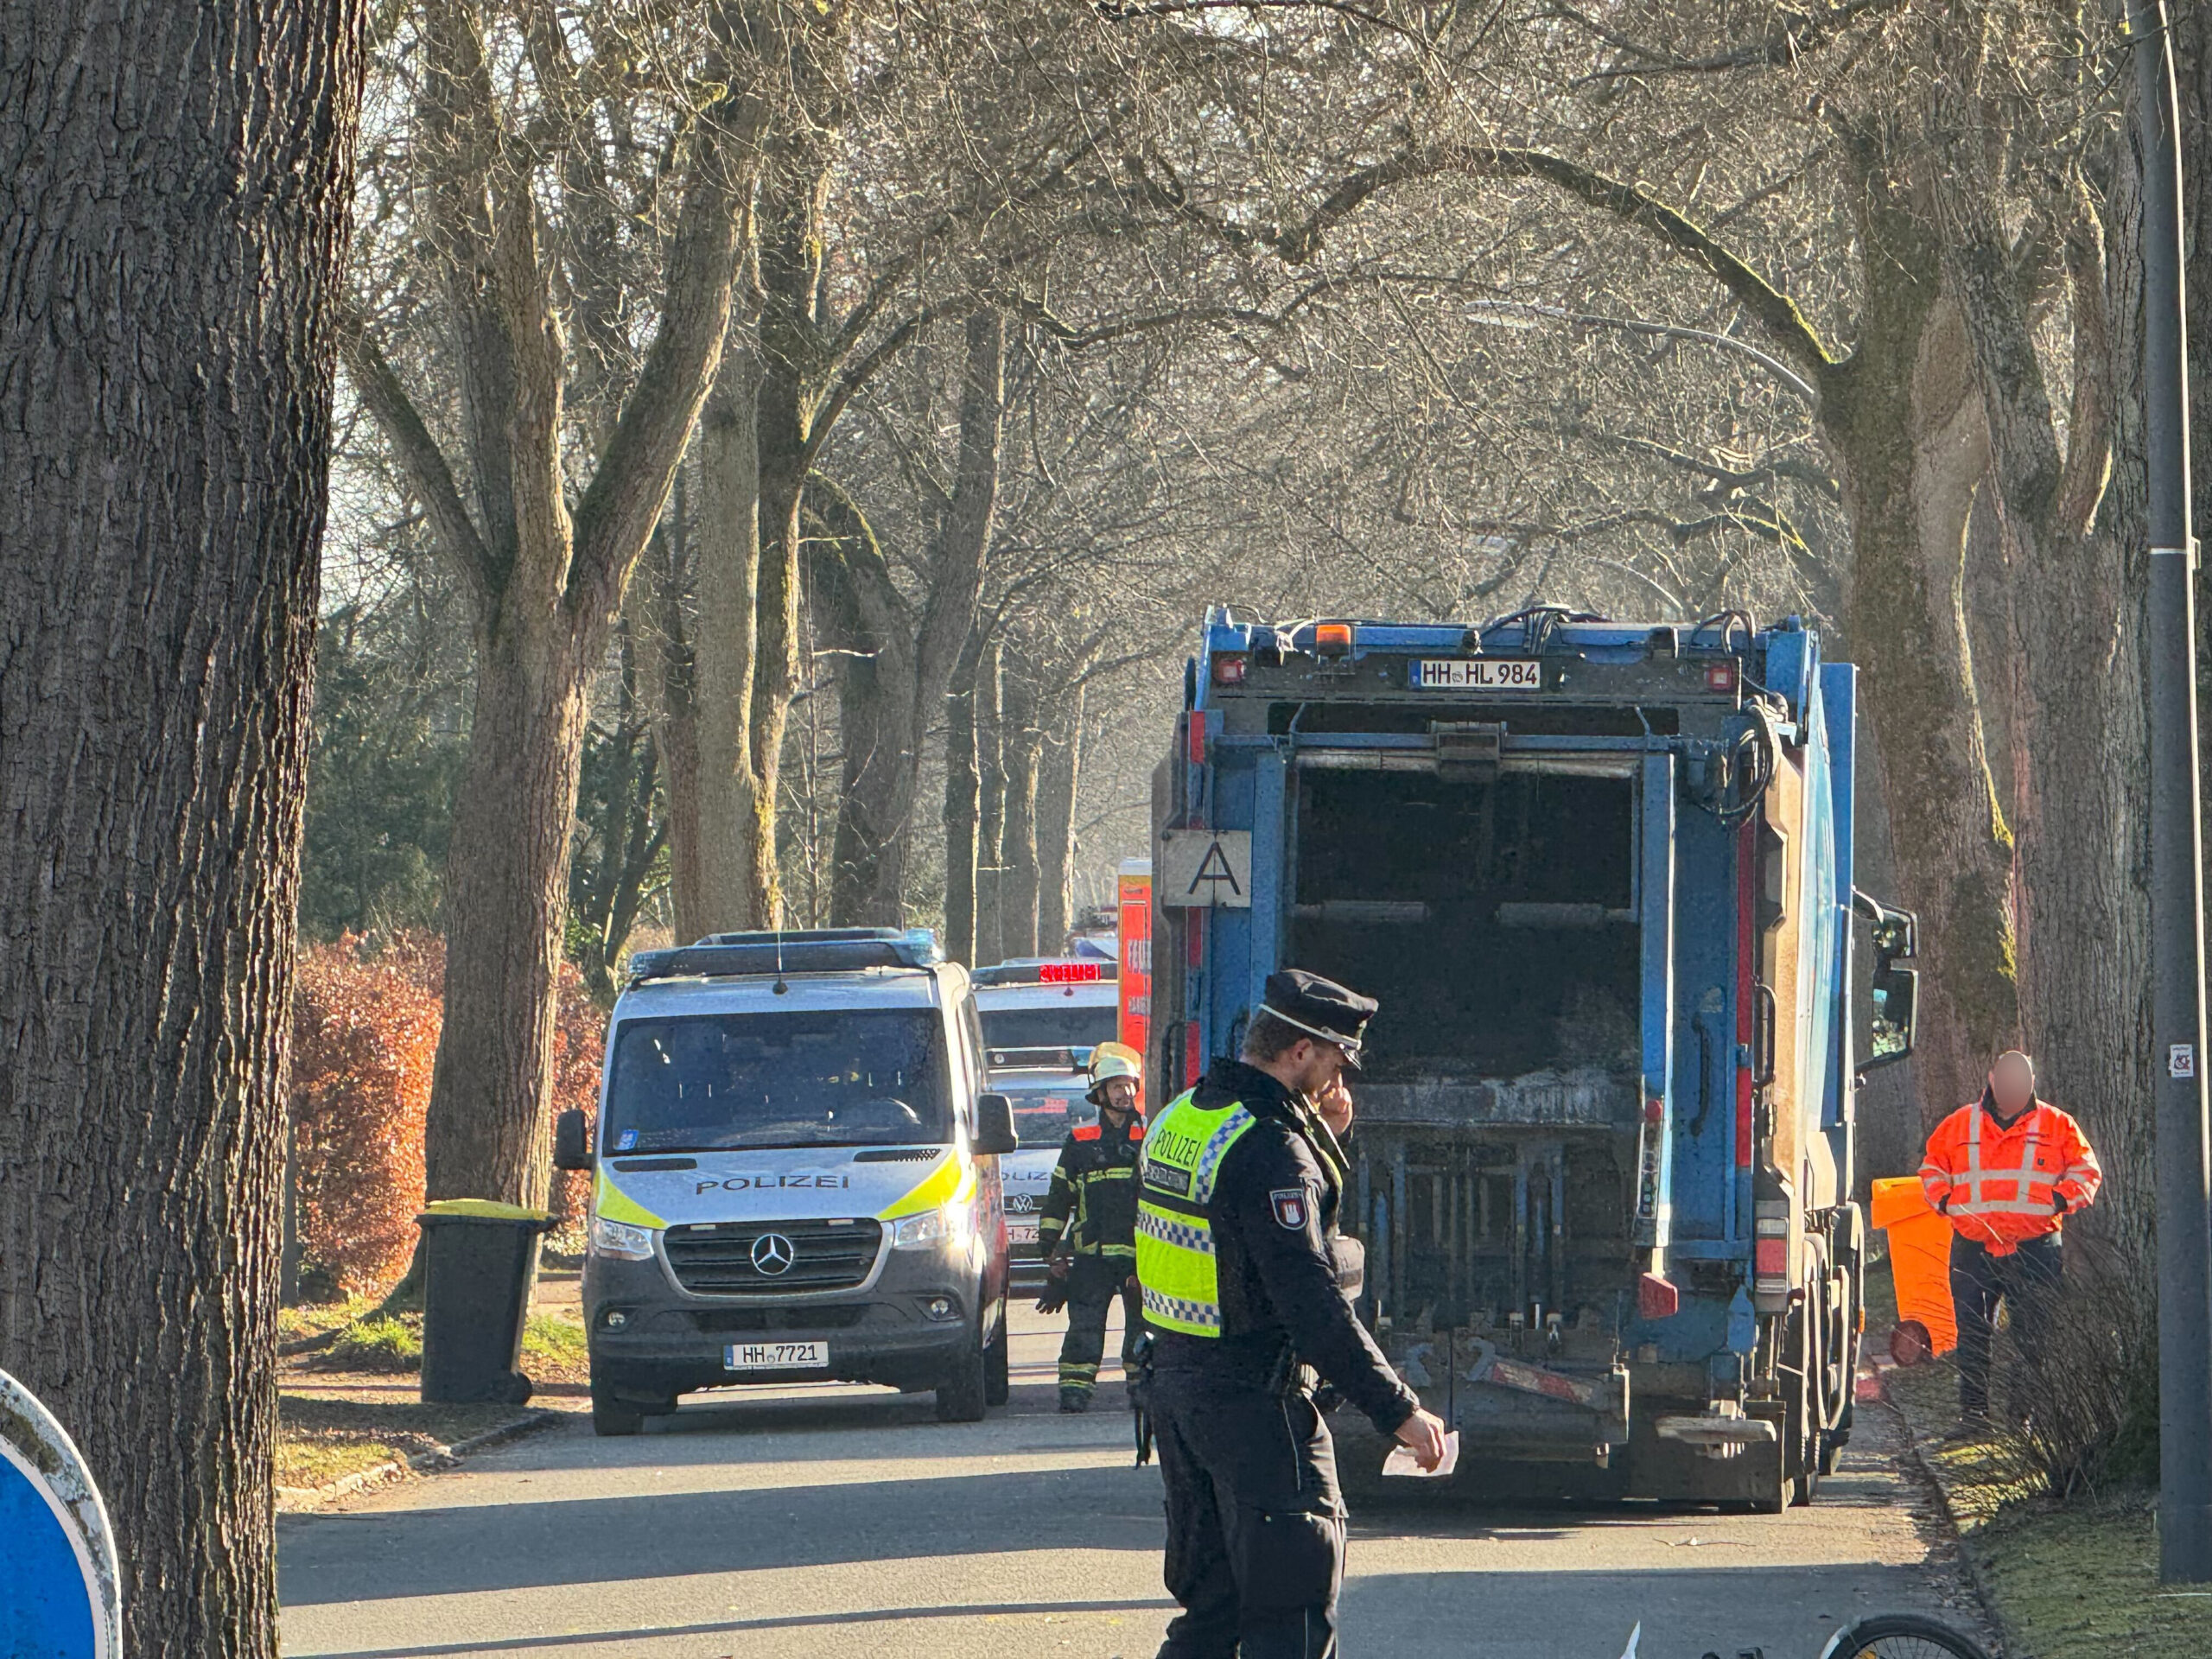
339	1412
2072	1580
326	1438
553	1346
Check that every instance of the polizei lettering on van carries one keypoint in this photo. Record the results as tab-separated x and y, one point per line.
771	1183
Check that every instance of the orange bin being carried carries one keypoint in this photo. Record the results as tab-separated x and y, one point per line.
1920	1265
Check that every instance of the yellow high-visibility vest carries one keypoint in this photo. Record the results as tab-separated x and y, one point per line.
1183	1151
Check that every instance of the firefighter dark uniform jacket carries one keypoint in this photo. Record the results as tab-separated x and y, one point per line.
1235	1223
1092	1206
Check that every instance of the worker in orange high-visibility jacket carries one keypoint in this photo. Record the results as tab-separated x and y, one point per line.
2007	1170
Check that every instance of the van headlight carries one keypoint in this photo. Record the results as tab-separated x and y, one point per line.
621	1240
946	1225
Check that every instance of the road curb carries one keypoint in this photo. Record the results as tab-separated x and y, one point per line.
293	1500
1969	1558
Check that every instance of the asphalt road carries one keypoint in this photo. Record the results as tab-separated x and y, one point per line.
835	1524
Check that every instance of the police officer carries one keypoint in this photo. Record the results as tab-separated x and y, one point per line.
1087	1230
1235	1220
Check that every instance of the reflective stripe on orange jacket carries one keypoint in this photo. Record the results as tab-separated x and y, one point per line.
2001	1183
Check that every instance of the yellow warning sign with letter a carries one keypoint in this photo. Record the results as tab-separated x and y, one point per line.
1204	867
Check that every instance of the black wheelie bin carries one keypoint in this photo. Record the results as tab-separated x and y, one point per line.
479	1264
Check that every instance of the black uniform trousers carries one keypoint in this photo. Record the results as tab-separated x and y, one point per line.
1256	1523
2023	1280
1093	1283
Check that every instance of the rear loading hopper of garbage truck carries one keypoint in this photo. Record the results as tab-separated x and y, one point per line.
1598	878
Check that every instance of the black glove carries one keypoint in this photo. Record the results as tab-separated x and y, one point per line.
1056	1286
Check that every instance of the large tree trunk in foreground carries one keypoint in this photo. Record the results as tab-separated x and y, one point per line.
165	346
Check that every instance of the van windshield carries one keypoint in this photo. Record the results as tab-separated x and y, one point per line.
841	1078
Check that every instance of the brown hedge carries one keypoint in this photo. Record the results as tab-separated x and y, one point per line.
365	1033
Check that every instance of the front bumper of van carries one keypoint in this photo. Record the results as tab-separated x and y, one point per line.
908	1326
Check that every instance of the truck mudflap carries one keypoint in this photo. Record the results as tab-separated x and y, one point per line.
1522	1408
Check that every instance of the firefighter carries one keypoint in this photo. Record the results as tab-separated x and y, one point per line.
2007	1170
1236	1224
1087	1232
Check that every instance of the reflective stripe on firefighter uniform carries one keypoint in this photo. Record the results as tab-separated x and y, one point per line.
1175	1252
1090	1209
1090	1214
2001	1183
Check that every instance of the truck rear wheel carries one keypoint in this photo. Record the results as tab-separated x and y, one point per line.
1801	1424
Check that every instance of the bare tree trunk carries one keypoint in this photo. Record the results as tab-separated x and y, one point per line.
1910	486
1986	605
546	580
1056	796
990	817
963	541
2077	725
177	196
876	720
620	833
963	804
1022	748
669	679
736	792
506	894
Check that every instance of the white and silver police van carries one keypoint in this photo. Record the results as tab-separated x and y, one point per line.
1041	1019
796	1176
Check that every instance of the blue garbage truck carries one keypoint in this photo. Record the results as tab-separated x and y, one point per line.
1599	876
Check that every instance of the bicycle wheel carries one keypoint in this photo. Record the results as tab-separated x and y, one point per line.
1902	1636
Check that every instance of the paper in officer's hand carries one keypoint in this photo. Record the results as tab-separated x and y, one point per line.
1400	1460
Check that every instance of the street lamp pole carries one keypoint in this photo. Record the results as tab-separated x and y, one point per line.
2184	1160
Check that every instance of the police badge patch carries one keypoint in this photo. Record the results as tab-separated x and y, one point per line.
1289	1203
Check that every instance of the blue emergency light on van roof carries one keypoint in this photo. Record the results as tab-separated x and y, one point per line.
794	950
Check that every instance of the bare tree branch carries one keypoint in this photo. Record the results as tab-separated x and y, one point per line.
420	459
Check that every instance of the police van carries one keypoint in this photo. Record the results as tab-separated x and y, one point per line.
1041	1019
796	1176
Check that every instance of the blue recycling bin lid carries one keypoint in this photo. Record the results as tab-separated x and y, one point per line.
60	1593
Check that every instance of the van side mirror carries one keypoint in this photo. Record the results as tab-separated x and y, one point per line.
994	1134
571	1141
1896	991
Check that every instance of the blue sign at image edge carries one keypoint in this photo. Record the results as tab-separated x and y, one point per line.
58	1575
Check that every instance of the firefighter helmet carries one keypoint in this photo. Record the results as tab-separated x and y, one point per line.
1111	1060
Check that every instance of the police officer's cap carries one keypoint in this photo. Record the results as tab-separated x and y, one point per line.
1320	1007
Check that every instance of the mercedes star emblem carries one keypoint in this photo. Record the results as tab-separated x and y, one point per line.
771	1254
